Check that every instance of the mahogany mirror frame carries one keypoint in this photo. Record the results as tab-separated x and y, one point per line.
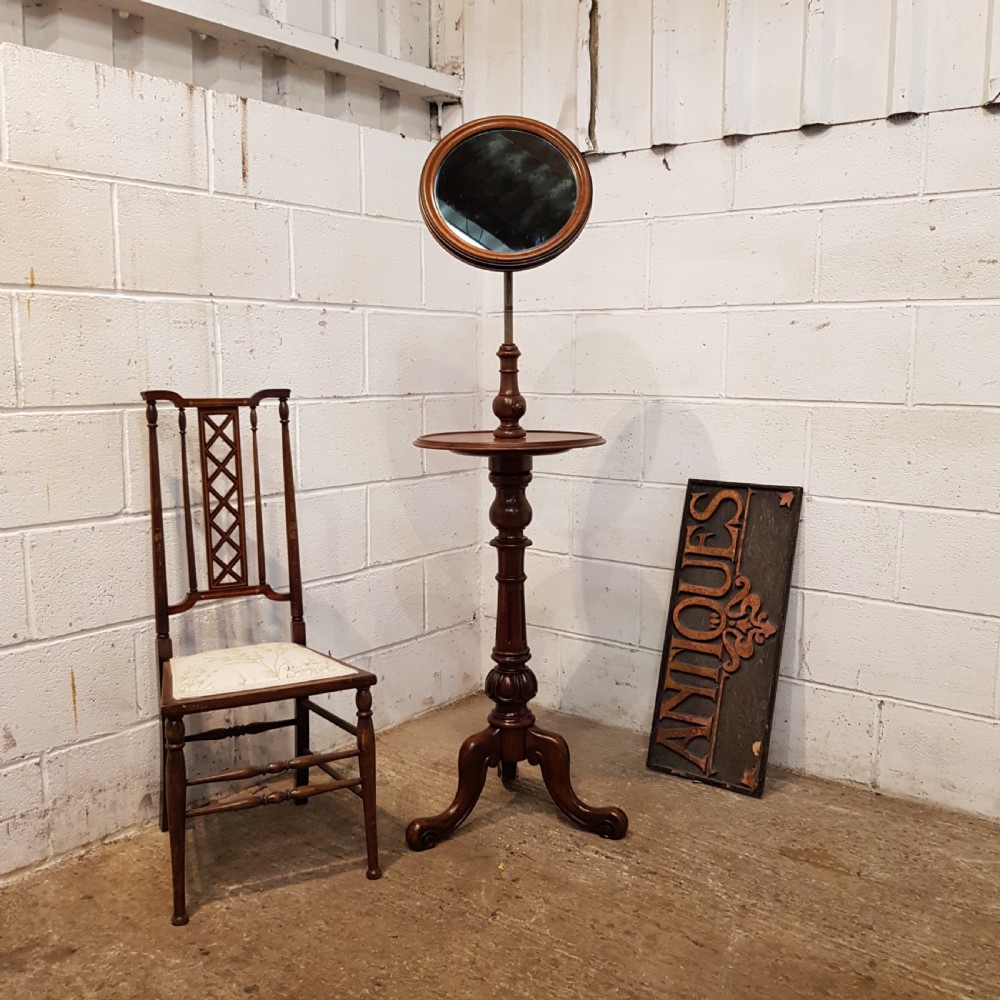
493	260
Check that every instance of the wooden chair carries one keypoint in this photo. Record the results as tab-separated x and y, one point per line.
214	679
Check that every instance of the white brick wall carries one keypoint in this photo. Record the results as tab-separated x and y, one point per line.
808	309
957	356
258	152
8	388
834	354
61	232
156	235
202	245
733	259
791	168
928	248
255	338
74	350
687	360
156	136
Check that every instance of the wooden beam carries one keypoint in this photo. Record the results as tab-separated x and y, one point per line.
222	21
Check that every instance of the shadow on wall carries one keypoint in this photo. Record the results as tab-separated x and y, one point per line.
634	527
616	596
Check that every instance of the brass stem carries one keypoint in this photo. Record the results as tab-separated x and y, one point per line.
509	405
508	307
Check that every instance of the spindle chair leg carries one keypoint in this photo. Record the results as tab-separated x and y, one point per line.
164	824
366	765
301	744
176	808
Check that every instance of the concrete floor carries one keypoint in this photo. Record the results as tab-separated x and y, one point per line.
817	890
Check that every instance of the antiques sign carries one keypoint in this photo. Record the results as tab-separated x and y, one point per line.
725	624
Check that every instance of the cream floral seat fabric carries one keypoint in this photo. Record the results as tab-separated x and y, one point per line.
246	668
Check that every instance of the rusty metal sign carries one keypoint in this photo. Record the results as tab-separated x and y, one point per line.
725	624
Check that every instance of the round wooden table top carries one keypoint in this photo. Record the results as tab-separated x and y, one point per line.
533	442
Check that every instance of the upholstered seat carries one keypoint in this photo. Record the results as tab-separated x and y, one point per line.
247	668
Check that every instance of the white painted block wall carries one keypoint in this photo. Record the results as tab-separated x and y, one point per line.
804	309
154	234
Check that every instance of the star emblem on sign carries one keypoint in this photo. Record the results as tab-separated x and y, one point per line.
785	499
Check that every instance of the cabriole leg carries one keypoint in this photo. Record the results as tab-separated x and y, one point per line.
475	756
551	752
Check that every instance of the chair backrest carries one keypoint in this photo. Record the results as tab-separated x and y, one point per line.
218	457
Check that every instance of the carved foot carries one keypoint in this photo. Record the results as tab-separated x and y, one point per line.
476	755
550	751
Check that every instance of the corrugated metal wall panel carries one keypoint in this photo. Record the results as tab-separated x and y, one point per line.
765	43
991	86
404	30
677	71
357	22
549	65
623	114
940	54
493	57
846	74
689	62
447	30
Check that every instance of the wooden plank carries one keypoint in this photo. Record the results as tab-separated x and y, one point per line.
219	20
622	117
725	625
940	55
689	62
765	44
548	69
71	27
848	46
493	58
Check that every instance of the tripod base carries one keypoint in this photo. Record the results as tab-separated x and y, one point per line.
483	750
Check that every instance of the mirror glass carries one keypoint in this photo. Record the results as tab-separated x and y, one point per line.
505	190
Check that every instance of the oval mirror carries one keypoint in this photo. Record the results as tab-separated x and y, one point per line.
505	193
